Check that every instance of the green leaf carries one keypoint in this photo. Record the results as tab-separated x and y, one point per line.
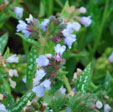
48	5
23	101
31	64
8	101
83	81
3	42
29	40
108	79
64	12
6	86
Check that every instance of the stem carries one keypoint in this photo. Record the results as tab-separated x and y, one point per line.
26	48
43	44
66	82
101	28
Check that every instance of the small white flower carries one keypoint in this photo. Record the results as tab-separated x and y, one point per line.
3	108
82	10
39	90
99	104
62	90
46	83
12	83
18	11
111	57
13	72
69	40
59	49
42	60
86	21
44	24
13	59
107	108
30	19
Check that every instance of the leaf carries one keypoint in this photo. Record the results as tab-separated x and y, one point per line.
6	85
108	79
83	80
64	12
31	64
29	40
48	5
23	101
3	42
8	101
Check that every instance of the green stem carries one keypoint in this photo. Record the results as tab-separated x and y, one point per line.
66	82
26	48
101	28
43	44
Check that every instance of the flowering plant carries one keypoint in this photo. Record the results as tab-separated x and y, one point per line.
43	78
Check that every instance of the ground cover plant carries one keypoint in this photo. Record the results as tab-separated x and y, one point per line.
56	56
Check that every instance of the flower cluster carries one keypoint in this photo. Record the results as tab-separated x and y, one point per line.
48	65
64	29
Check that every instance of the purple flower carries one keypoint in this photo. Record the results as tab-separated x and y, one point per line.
44	24
59	49
111	57
38	76
69	40
86	21
63	90
18	11
22	26
42	60
73	26
3	108
13	59
40	89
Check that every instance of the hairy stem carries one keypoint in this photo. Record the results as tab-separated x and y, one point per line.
66	82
